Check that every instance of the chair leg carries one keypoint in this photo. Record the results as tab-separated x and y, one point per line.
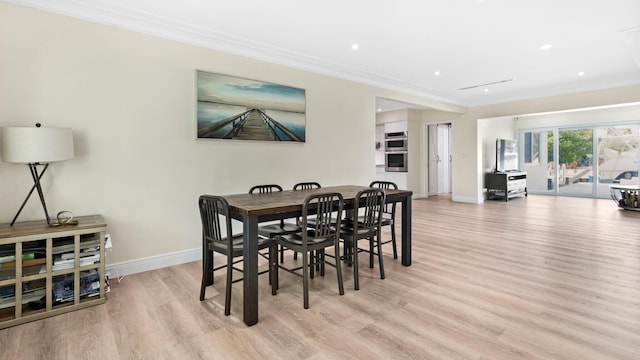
318	263
379	241
273	268
354	250
281	254
305	279
203	284
202	287
345	253
311	258
371	252
393	240
227	298
339	269
207	272
320	260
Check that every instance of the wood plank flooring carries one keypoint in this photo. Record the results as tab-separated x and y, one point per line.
536	278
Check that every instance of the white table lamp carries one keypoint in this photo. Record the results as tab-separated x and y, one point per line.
35	146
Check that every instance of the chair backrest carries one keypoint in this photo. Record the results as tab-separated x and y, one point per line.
383	185
368	210
320	207
306	186
263	189
386	185
211	209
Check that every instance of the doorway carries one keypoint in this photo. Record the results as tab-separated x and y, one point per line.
438	158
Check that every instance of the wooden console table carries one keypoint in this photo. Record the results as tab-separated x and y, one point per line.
46	271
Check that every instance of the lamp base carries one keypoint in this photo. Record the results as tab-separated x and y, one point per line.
33	167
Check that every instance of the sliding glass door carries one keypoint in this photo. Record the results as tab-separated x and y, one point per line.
562	161
539	161
575	153
617	156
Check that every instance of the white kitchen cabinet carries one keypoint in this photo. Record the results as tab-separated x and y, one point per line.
400	178
380	173
396	126
380	145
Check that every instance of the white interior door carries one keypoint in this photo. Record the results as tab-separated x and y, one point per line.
444	163
434	160
439	155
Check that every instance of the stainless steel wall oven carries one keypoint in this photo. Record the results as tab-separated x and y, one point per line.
396	161
395	141
395	151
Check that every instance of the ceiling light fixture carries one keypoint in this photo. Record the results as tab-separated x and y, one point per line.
436	73
581	73
355	46
546	47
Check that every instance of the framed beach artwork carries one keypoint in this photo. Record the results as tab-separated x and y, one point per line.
235	108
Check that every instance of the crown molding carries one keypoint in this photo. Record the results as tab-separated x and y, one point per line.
134	20
107	13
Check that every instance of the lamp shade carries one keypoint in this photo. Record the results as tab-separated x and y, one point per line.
35	144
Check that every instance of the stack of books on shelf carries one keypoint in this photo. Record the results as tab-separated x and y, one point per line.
8	264
64	256
6	258
7	296
31	291
63	288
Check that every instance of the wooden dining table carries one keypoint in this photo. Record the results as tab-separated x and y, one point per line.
253	209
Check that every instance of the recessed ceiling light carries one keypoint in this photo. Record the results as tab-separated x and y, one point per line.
546	47
486	90
581	73
355	46
436	73
379	110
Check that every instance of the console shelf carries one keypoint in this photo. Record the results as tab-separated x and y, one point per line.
505	185
46	271
626	196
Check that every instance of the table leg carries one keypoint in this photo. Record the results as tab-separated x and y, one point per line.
250	266
406	231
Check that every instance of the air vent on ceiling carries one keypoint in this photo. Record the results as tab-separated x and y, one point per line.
487	84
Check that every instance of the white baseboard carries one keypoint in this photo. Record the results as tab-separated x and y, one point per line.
466	199
154	262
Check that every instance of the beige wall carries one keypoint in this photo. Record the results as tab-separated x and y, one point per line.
130	99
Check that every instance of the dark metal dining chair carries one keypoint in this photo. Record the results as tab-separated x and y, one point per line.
388	214
364	224
282	227
312	240
217	236
306	185
265	189
302	186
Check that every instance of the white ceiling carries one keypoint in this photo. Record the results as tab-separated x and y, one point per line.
403	42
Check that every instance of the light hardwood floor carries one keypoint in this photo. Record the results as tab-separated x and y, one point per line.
537	278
